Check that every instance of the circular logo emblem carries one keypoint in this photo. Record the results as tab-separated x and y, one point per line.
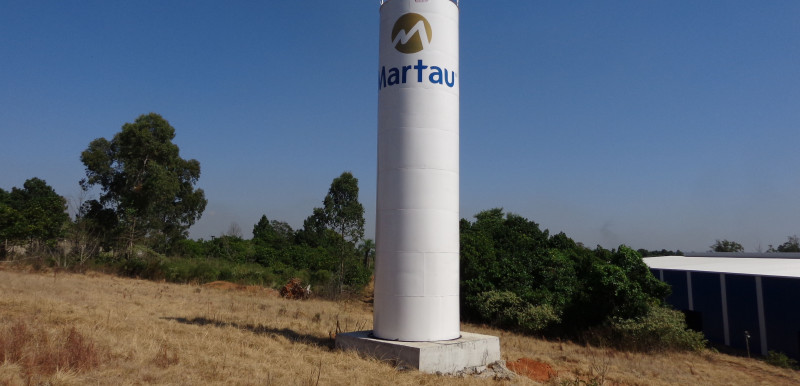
411	33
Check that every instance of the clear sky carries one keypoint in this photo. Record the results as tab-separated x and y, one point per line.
658	124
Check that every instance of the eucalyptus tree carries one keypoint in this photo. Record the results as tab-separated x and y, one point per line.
343	214
145	183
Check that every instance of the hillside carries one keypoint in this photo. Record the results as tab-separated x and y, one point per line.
130	331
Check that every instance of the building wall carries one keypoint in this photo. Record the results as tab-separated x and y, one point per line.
723	306
679	298
782	313
742	311
708	303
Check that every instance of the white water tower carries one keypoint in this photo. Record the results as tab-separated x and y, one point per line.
417	227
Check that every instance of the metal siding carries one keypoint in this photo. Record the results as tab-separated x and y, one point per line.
679	298
708	301
782	314
743	311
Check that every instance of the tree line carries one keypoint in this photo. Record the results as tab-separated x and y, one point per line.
146	200
724	245
513	273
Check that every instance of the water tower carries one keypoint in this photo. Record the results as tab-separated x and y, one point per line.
416	304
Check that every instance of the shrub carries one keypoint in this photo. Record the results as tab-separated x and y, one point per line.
780	359
537	318
144	268
204	272
189	248
178	270
506	309
662	329
253	274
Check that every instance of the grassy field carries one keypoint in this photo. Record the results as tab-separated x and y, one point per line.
78	329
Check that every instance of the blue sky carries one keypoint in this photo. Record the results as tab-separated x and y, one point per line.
654	124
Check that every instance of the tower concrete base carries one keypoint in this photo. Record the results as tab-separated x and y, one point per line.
446	357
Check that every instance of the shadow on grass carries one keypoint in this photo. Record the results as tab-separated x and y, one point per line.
260	329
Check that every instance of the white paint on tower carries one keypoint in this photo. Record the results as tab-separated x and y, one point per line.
417	228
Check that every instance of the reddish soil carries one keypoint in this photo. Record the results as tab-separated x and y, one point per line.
538	371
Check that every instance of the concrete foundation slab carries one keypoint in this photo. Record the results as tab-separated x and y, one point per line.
446	357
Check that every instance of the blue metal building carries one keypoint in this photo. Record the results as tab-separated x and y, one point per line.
731	296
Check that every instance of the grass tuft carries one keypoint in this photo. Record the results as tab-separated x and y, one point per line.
166	357
38	352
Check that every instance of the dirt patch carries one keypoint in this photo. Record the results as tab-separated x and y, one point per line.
538	371
228	286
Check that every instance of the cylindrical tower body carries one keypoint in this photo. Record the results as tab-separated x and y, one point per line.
417	228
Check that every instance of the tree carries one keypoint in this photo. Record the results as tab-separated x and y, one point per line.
314	229
10	221
516	274
145	183
344	214
342	211
34	213
792	245
727	246
274	234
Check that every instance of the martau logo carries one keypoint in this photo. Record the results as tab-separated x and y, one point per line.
411	33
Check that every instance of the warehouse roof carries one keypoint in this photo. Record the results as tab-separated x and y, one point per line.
788	265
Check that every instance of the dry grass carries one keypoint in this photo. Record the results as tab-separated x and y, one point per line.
39	354
160	333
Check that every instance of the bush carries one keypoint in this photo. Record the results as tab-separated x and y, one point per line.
204	272
537	318
781	360
152	269
189	248
253	274
199	270
554	278
506	309
662	329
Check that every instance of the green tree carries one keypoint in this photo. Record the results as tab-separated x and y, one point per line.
145	182
274	234
11	226
791	245
34	213
262	230
314	229
344	214
514	273
726	246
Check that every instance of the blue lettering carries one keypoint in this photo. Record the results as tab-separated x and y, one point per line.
435	75
394	76
419	67
405	69
448	81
